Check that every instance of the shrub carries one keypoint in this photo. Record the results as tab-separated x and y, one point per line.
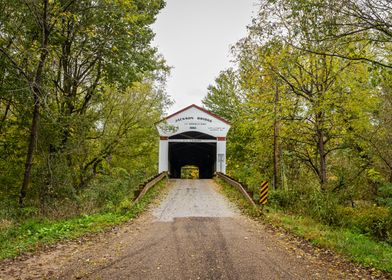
283	199
106	191
322	206
125	206
385	195
371	220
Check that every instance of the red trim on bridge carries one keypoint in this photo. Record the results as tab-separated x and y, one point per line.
164	137
221	138
198	107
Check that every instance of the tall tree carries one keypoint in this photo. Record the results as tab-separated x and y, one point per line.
225	97
64	53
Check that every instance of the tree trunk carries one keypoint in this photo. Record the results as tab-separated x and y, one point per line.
4	118
276	136
323	162
30	151
36	90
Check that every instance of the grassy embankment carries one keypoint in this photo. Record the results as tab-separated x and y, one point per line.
354	246
34	233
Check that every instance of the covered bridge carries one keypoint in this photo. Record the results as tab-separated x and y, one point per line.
193	136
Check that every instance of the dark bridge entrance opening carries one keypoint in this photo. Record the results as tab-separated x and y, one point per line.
193	148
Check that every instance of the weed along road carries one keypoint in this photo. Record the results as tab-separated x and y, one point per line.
193	233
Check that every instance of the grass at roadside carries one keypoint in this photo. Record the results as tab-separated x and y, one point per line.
355	246
236	197
34	233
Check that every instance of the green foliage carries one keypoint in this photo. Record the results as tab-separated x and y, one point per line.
106	190
374	221
349	242
319	205
31	233
238	198
88	70
323	207
281	199
352	244
189	172
316	126
225	98
125	205
385	195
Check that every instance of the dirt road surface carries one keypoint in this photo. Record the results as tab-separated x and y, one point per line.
194	233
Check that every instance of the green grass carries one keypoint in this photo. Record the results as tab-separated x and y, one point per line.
357	247
236	197
354	246
34	233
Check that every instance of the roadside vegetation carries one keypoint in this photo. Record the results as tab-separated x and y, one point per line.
32	233
189	172
349	242
80	90
352	244
310	103
238	198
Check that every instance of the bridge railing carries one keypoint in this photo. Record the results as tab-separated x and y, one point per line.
143	188
238	185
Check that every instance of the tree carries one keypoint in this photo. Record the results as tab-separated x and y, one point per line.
225	97
305	105
64	55
363	20
357	25
41	25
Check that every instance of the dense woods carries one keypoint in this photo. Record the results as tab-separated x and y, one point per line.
310	103
80	90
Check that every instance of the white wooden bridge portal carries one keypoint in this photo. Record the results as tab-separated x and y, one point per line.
193	136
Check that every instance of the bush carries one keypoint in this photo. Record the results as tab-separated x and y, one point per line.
371	220
374	221
286	200
322	206
125	206
107	192
385	195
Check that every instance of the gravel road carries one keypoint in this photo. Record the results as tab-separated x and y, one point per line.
193	198
194	233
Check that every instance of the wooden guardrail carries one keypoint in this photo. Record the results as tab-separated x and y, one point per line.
237	185
143	189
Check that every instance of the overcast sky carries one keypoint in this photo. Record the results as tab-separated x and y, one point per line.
195	37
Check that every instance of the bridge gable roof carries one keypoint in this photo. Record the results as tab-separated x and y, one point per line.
193	118
199	108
